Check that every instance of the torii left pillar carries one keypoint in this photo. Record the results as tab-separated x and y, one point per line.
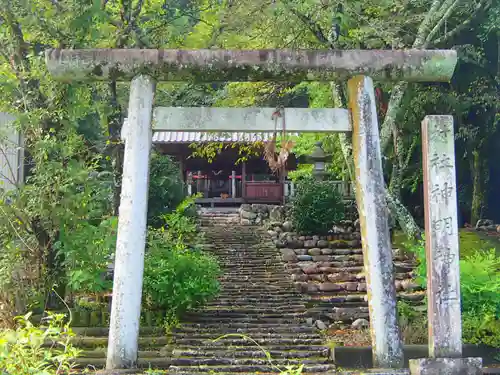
132	225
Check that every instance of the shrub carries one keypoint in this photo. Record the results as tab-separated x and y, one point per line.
418	250
181	225
166	188
480	294
413	324
482	328
178	278
86	251
22	350
480	282
316	207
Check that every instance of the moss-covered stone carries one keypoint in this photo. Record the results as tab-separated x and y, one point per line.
251	65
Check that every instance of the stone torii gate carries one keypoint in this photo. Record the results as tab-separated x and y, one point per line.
145	67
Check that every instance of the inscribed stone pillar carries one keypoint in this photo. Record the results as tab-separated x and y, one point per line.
129	258
373	214
442	254
441	231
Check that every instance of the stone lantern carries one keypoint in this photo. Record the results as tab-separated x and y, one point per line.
318	158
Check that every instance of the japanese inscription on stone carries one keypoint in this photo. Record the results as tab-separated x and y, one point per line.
441	228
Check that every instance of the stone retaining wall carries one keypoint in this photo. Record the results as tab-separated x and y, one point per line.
258	214
330	268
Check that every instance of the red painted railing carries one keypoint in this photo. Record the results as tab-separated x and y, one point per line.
263	191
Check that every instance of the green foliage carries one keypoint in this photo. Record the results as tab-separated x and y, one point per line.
303	172
181	223
166	187
22	350
480	294
481	329
177	278
418	249
66	192
316	207
86	251
480	283
413	323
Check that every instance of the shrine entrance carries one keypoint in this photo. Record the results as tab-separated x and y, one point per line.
145	67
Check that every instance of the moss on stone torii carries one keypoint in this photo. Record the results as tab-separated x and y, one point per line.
251	65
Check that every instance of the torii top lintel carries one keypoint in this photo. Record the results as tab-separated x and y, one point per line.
214	65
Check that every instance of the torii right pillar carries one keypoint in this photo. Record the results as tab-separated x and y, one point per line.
387	347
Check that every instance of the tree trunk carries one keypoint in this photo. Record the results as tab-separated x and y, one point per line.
477	187
397	210
403	216
115	122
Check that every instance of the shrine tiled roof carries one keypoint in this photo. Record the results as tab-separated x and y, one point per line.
192	137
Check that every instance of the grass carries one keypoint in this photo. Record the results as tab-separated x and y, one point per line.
470	242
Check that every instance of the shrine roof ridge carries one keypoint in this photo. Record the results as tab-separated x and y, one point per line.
218	65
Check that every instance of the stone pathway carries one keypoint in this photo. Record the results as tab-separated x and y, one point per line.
258	300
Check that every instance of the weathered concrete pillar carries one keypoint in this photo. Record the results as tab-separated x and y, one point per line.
129	258
189	181
233	184
442	253
373	214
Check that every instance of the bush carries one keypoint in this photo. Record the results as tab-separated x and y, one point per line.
181	225
481	329
316	207
166	188
480	283
178	278
22	350
86	251
480	294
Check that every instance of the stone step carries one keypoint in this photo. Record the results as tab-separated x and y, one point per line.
248	306
101	353
257	272
229	311
235	341
244	261
277	294
255	286
274	372
245	319
237	325
276	347
104	331
208	337
251	331
259	293
216	365
245	352
102	341
244	314
247	369
251	308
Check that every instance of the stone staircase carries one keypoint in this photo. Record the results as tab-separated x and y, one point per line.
218	217
271	296
257	300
